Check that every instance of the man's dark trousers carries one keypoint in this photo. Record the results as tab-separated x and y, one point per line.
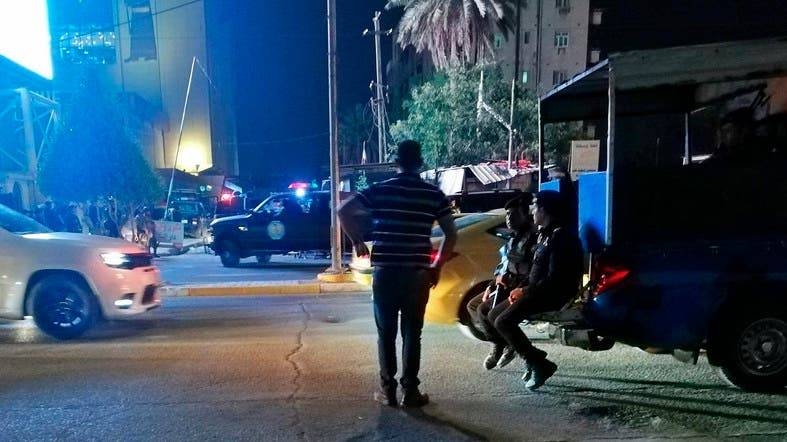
506	318
479	314
405	290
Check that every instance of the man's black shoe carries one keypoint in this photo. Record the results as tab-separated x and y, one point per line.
541	372
508	355
386	396
494	356
414	399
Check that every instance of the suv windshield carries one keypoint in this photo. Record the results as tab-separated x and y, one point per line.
19	224
462	222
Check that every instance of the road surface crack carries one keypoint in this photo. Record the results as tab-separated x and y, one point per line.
290	358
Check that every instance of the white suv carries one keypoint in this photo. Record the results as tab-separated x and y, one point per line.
67	281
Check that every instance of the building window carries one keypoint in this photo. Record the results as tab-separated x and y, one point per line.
526	37
561	40
563	6
597	16
559	77
524	77
498	41
595	55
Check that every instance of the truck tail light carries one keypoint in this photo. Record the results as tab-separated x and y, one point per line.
609	276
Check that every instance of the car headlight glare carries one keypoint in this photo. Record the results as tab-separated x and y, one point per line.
116	259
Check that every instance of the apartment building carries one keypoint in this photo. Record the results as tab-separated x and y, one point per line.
552	43
553	46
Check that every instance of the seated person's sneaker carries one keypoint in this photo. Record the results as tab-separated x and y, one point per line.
386	396
541	371
508	355
414	398
494	356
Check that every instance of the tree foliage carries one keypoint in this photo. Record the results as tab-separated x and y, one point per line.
442	115
94	153
456	33
355	129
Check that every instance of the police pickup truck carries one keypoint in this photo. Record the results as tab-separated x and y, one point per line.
282	223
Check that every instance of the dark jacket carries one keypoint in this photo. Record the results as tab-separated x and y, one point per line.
556	273
517	260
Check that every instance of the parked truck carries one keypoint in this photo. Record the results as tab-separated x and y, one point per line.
686	238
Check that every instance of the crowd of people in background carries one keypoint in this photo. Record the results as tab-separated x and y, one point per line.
101	217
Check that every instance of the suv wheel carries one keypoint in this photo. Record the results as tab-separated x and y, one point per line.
230	257
755	352
263	259
63	307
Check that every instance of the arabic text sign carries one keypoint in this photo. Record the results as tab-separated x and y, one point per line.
584	156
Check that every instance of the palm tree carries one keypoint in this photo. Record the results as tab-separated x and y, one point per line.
457	33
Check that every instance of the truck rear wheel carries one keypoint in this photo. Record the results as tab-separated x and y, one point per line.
755	352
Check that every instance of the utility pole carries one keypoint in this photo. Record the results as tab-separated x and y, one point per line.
380	100
333	124
483	106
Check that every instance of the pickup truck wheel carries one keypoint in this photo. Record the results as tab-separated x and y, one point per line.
229	254
63	307
755	355
263	259
465	323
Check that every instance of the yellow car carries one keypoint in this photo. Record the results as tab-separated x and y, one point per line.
466	274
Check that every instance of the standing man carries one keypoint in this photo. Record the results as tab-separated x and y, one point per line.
554	279
401	212
511	273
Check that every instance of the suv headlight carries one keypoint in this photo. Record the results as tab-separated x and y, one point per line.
116	259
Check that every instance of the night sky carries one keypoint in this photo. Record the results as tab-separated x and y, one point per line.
282	88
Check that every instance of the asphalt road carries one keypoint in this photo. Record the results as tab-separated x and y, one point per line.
197	267
303	368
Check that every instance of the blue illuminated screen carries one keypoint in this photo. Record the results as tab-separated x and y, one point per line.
24	35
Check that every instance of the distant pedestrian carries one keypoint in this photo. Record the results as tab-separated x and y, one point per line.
71	220
93	217
403	210
111	227
51	218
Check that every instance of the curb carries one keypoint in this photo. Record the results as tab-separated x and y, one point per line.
283	288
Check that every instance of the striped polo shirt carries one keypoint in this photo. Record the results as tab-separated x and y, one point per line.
404	209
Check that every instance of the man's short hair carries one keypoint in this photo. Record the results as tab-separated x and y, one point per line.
408	154
522	200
